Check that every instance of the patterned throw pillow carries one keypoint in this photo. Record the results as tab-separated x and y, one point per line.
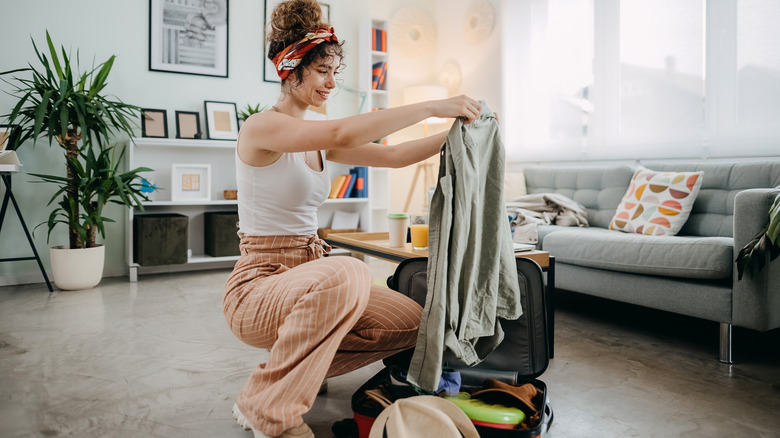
657	203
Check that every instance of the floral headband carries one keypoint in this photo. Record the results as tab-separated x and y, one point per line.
289	58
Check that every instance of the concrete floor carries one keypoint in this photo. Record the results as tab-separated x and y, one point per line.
156	359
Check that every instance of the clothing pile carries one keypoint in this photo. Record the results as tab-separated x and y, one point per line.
528	211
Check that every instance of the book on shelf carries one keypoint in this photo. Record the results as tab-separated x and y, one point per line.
379	75
379	40
345	186
349	193
351	185
361	183
335	186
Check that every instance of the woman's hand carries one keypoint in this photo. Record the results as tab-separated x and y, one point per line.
458	106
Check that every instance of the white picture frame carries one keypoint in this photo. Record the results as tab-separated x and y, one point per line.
221	120
269	70
190	182
189	37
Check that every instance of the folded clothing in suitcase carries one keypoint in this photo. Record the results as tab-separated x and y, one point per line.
496	408
519	360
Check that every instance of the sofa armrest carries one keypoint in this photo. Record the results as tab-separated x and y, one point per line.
756	298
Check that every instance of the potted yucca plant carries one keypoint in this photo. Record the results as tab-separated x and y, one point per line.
59	104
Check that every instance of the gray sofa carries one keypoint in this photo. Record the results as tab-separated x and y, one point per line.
692	273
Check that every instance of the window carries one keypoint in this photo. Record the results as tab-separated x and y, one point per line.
550	72
758	62
631	79
661	66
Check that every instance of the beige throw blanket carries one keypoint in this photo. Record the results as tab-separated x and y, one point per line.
543	208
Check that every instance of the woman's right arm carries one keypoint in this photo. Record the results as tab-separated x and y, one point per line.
276	132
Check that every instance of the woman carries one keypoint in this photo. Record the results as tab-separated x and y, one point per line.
319	316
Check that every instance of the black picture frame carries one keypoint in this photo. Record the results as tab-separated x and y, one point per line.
269	71
221	120
189	39
185	121
7	133
154	123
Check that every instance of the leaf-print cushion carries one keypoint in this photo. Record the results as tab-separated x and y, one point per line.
657	203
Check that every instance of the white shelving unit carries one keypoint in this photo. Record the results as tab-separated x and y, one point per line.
379	187
161	153
376	99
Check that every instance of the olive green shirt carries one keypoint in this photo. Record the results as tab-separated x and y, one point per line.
472	278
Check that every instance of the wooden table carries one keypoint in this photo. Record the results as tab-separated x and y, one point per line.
377	245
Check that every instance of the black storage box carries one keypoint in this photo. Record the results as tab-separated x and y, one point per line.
160	239
221	234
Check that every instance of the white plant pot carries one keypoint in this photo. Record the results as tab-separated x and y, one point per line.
75	269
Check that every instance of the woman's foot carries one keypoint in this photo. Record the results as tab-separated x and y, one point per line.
302	431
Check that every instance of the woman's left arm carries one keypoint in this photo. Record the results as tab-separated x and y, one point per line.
400	155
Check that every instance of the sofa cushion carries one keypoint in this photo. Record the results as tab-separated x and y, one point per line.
673	256
598	189
657	203
514	185
713	211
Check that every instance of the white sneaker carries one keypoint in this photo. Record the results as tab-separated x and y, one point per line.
302	431
240	418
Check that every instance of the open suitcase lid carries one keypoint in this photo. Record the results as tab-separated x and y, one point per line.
524	352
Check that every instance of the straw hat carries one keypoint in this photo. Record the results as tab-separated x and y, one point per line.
423	415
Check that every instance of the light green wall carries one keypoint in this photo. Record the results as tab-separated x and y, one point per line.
101	28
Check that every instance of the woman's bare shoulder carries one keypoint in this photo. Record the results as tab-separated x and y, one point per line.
251	147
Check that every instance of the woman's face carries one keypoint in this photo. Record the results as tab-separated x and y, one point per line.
319	78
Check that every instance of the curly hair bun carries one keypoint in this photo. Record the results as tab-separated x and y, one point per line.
291	21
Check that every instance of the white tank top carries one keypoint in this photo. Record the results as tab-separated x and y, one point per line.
280	199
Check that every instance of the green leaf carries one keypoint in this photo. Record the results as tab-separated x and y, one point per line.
40	112
53	53
15	71
774	222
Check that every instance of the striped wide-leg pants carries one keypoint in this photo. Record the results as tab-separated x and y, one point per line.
318	316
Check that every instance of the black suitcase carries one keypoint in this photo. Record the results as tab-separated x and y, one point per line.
523	354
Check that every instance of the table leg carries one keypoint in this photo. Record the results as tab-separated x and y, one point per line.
551	307
9	195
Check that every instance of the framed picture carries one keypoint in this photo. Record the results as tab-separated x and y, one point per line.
190	182
187	124
221	120
154	123
189	37
269	72
6	134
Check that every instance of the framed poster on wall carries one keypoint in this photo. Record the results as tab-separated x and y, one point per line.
189	37
269	72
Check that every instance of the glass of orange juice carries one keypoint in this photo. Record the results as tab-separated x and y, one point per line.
419	232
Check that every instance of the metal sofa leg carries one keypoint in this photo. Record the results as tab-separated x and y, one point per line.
725	343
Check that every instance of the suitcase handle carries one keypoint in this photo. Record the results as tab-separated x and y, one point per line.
549	417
